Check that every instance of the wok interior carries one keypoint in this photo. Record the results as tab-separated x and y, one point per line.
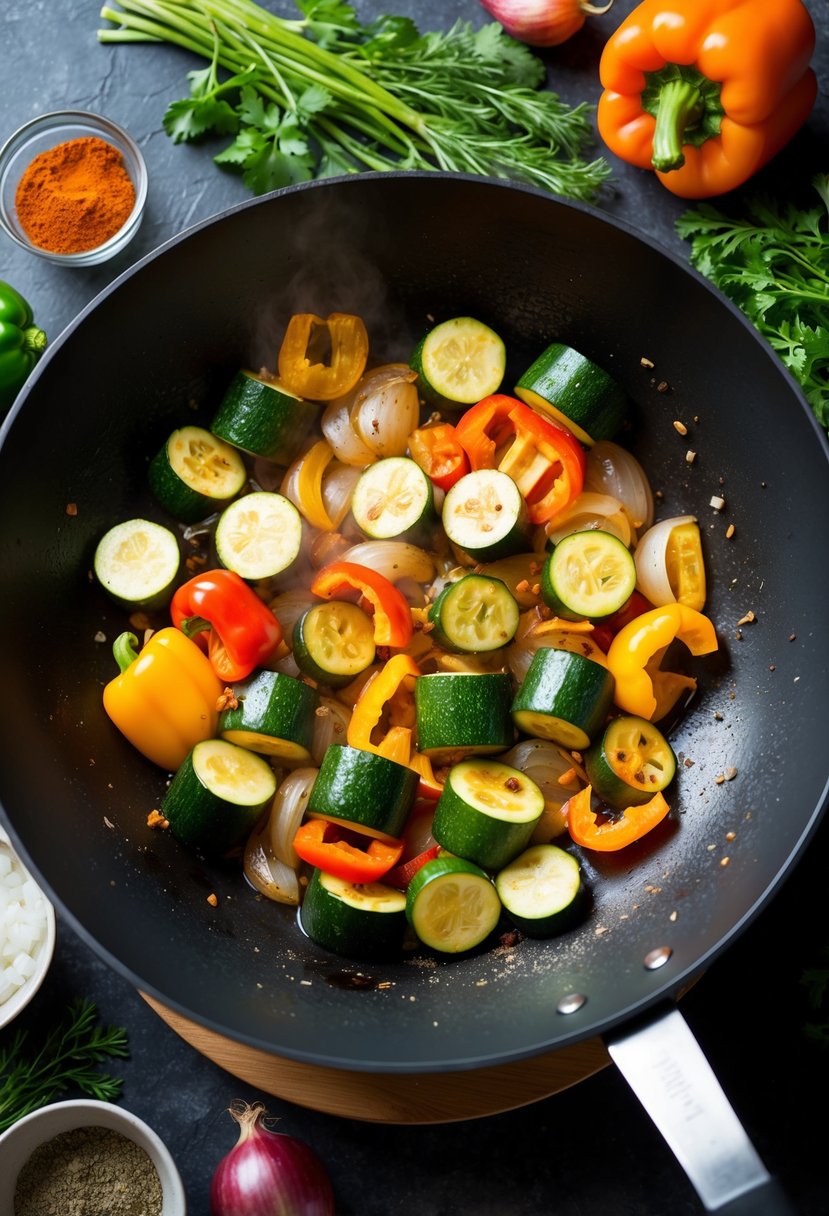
156	350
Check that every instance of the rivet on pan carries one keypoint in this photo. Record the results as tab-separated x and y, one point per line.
657	958
571	1003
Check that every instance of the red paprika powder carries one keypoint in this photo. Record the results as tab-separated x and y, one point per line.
75	196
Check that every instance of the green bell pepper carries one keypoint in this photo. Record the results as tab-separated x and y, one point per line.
21	344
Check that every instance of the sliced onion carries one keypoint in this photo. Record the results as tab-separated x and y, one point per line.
287	812
613	470
591	511
393	558
521	569
347	445
385	409
330	726
544	762
266	474
558	634
289	606
650	557
267	874
337	488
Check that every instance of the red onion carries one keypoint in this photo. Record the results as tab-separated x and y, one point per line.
268	1174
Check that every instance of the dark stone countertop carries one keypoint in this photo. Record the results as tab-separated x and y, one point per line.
590	1150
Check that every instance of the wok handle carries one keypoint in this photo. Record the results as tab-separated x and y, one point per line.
665	1067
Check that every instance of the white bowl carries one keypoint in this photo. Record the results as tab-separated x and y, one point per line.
22	1138
11	1007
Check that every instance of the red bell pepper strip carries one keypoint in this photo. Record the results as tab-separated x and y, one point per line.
439	453
546	462
396	676
346	854
592	830
243	632
400	876
392	614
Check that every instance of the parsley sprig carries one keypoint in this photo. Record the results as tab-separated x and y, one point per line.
68	1058
325	94
772	260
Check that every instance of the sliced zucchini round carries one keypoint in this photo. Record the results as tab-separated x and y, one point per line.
137	563
575	392
588	574
485	516
564	697
452	905
259	535
474	615
630	763
460	713
217	795
487	812
459	362
333	642
393	498
274	715
363	789
365	921
262	417
196	474
541	890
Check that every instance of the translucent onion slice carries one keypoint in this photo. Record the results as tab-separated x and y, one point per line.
337	488
347	445
591	511
330	726
650	557
547	764
562	635
287	812
613	470
385	409
289	606
393	558
267	874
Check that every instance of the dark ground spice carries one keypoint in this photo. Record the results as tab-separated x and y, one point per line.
88	1171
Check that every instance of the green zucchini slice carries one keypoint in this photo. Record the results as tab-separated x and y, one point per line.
262	417
541	890
564	697
196	474
588	574
630	763
333	642
393	499
365	921
475	614
259	535
452	905
217	795
485	516
461	713
137	563
459	362
363	789
274	715
575	392
487	812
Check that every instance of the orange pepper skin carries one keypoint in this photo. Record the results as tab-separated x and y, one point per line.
634	822
316	380
638	641
165	699
349	855
754	55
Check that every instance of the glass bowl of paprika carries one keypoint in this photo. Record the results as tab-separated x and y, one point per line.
72	187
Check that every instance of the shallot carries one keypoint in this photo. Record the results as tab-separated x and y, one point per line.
543	22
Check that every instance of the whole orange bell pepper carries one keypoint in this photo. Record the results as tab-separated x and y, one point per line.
637	643
165	699
706	92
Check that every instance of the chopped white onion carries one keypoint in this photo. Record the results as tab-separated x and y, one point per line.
330	726
393	558
337	488
613	470
347	445
267	874
544	762
289	606
650	558
287	812
591	511
553	633
23	924
522	569
385	409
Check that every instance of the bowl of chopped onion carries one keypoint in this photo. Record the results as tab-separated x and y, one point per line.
27	934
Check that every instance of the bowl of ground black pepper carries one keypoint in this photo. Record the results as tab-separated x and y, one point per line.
87	1158
72	187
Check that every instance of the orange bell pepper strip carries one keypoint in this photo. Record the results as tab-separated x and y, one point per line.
392	614
347	854
593	830
437	450
706	92
545	461
397	675
638	642
323	359
165	699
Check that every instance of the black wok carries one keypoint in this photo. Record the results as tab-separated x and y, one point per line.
157	348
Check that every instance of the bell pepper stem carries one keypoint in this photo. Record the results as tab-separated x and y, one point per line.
125	650
192	625
34	340
680	106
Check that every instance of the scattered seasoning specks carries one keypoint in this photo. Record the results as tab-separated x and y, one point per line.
680	427
725	861
747	619
72	508
645	362
690	457
729	532
213	900
717	502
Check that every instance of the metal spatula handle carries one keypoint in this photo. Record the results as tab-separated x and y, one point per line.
667	1070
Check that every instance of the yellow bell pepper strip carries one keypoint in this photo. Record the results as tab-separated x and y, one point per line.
310	469
165	700
638	642
392	614
545	461
242	632
323	359
604	833
397	675
706	92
